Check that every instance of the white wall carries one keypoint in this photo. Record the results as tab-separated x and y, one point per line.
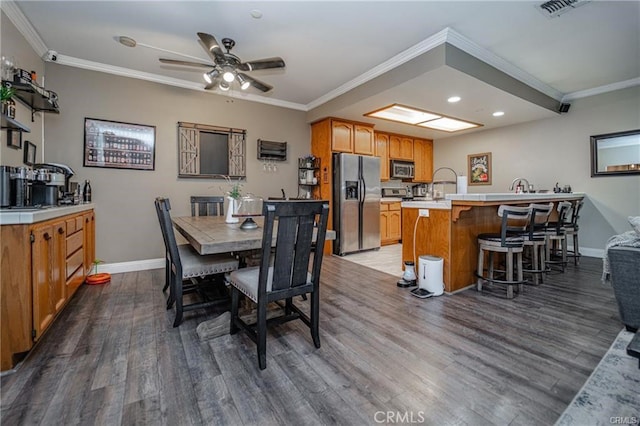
558	150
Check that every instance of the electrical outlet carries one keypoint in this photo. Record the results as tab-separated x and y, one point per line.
423	212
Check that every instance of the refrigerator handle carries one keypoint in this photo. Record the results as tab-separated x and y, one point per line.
363	190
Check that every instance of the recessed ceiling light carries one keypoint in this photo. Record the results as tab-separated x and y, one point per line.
454	99
256	14
498	114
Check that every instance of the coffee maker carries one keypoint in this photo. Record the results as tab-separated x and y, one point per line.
51	184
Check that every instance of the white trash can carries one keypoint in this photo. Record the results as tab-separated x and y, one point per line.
430	272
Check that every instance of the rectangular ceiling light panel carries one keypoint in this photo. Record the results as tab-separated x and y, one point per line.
449	124
403	114
417	117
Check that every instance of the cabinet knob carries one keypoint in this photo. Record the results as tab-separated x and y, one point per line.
60	230
47	236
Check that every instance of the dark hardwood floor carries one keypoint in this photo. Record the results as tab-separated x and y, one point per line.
114	358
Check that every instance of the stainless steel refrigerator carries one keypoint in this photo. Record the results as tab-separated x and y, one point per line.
356	203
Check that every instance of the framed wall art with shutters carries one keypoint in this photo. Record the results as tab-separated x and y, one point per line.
119	145
211	151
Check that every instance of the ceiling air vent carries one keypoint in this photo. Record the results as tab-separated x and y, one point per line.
554	8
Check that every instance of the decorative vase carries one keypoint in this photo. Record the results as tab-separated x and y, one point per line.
231	209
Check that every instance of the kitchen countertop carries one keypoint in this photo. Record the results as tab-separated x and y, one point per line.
390	200
490	197
418	203
512	196
18	216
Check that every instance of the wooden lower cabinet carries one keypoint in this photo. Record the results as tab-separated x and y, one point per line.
390	223
43	264
47	273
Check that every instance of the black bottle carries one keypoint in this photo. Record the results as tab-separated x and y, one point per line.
87	191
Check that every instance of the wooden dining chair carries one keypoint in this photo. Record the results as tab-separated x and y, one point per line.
207	205
288	275
185	264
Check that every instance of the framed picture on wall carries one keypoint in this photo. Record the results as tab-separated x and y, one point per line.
479	168
29	153
14	139
119	145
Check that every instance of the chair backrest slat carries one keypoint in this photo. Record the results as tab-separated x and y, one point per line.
295	229
207	205
514	221
163	207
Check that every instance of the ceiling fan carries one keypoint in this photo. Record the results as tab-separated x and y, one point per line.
227	67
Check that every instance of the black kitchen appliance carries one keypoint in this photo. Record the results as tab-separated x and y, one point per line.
51	184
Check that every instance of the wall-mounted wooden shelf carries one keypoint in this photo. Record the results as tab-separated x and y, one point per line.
12	124
35	97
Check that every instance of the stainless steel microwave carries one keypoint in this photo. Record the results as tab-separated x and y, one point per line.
402	169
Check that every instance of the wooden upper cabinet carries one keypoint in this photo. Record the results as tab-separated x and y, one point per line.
400	148
341	136
382	151
423	159
363	141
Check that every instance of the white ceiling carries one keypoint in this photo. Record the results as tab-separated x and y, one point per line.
345	58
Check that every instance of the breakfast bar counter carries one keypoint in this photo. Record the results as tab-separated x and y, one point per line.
449	228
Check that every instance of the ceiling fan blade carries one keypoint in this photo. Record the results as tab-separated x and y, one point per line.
187	63
264	87
262	64
212	46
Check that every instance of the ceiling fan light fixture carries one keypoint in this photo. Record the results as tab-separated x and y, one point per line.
224	86
228	74
244	83
210	76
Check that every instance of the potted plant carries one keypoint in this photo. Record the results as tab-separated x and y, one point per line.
6	93
233	197
97	278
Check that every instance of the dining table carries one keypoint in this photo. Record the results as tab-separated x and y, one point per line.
212	234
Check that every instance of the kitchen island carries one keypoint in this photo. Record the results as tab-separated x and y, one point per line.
449	228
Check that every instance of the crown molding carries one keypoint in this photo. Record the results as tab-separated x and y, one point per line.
23	25
155	78
602	89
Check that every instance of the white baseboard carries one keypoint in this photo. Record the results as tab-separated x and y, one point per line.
136	265
143	265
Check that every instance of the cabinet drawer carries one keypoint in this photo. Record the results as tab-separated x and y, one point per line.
74	242
74	262
75	224
384	207
394	206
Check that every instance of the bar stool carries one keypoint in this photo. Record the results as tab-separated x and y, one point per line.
557	238
535	240
571	228
510	242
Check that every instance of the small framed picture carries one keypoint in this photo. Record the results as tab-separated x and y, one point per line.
479	168
29	153
14	139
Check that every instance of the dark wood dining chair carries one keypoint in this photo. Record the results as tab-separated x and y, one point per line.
185	264
207	205
289	274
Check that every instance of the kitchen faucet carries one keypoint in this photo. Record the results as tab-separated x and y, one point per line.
523	188
443	182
